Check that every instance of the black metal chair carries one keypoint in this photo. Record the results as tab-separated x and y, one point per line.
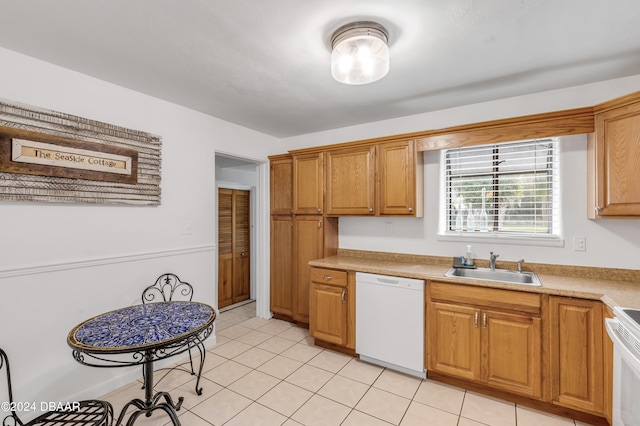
84	413
168	287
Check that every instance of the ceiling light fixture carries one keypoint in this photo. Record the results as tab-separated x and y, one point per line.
360	54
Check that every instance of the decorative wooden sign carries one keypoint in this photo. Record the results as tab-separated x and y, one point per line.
55	157
31	152
68	158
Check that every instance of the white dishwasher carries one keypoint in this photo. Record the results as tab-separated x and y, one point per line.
390	322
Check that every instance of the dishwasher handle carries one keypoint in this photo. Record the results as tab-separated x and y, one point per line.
388	281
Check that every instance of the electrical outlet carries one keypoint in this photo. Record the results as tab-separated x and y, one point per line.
579	243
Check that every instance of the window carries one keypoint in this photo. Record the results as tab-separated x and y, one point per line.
507	189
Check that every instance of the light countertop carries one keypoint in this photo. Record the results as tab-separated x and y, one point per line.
581	282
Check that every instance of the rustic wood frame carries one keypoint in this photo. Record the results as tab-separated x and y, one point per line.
40	183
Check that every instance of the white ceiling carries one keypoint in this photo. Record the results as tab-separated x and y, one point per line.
264	64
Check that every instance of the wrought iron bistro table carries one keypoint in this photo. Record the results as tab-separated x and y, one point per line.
142	334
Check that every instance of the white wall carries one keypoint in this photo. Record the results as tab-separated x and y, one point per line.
61	264
610	243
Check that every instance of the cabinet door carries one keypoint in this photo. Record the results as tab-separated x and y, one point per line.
454	340
308	183
350	181
308	246
576	353
282	265
608	366
328	313
281	183
512	344
400	174
617	161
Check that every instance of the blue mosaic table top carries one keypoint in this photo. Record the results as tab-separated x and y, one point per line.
141	326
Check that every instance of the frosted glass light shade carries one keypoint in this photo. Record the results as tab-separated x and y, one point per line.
360	53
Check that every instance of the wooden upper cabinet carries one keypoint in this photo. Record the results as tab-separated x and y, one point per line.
281	183
400	174
350	181
614	161
308	183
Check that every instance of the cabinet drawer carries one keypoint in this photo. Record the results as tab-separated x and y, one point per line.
329	276
486	297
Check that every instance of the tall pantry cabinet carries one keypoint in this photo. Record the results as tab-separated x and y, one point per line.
300	235
281	279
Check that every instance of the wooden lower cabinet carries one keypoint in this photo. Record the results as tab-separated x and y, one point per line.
454	340
307	247
281	280
577	365
608	367
314	237
295	241
470	337
329	306
512	343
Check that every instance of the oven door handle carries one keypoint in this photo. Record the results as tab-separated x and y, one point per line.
632	359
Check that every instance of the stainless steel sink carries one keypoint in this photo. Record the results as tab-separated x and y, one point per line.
500	275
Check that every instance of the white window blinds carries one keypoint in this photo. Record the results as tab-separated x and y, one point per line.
508	188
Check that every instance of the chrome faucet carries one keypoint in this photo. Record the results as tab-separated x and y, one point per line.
492	260
520	262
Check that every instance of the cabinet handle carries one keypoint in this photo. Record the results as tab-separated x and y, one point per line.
475	320
327	277
370	210
319	224
598	208
319	210
343	292
410	209
484	320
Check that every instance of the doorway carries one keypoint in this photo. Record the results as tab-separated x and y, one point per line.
251	175
234	247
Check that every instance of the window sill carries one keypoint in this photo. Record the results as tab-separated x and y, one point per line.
480	237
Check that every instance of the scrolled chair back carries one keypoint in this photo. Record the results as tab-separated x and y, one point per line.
167	287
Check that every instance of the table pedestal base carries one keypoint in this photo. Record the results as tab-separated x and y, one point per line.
147	408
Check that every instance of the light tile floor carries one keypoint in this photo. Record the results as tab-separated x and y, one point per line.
268	372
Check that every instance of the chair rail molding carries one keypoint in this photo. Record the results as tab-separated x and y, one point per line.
106	260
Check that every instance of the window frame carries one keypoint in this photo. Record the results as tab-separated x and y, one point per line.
446	222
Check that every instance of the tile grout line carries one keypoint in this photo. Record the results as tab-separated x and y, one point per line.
249	314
